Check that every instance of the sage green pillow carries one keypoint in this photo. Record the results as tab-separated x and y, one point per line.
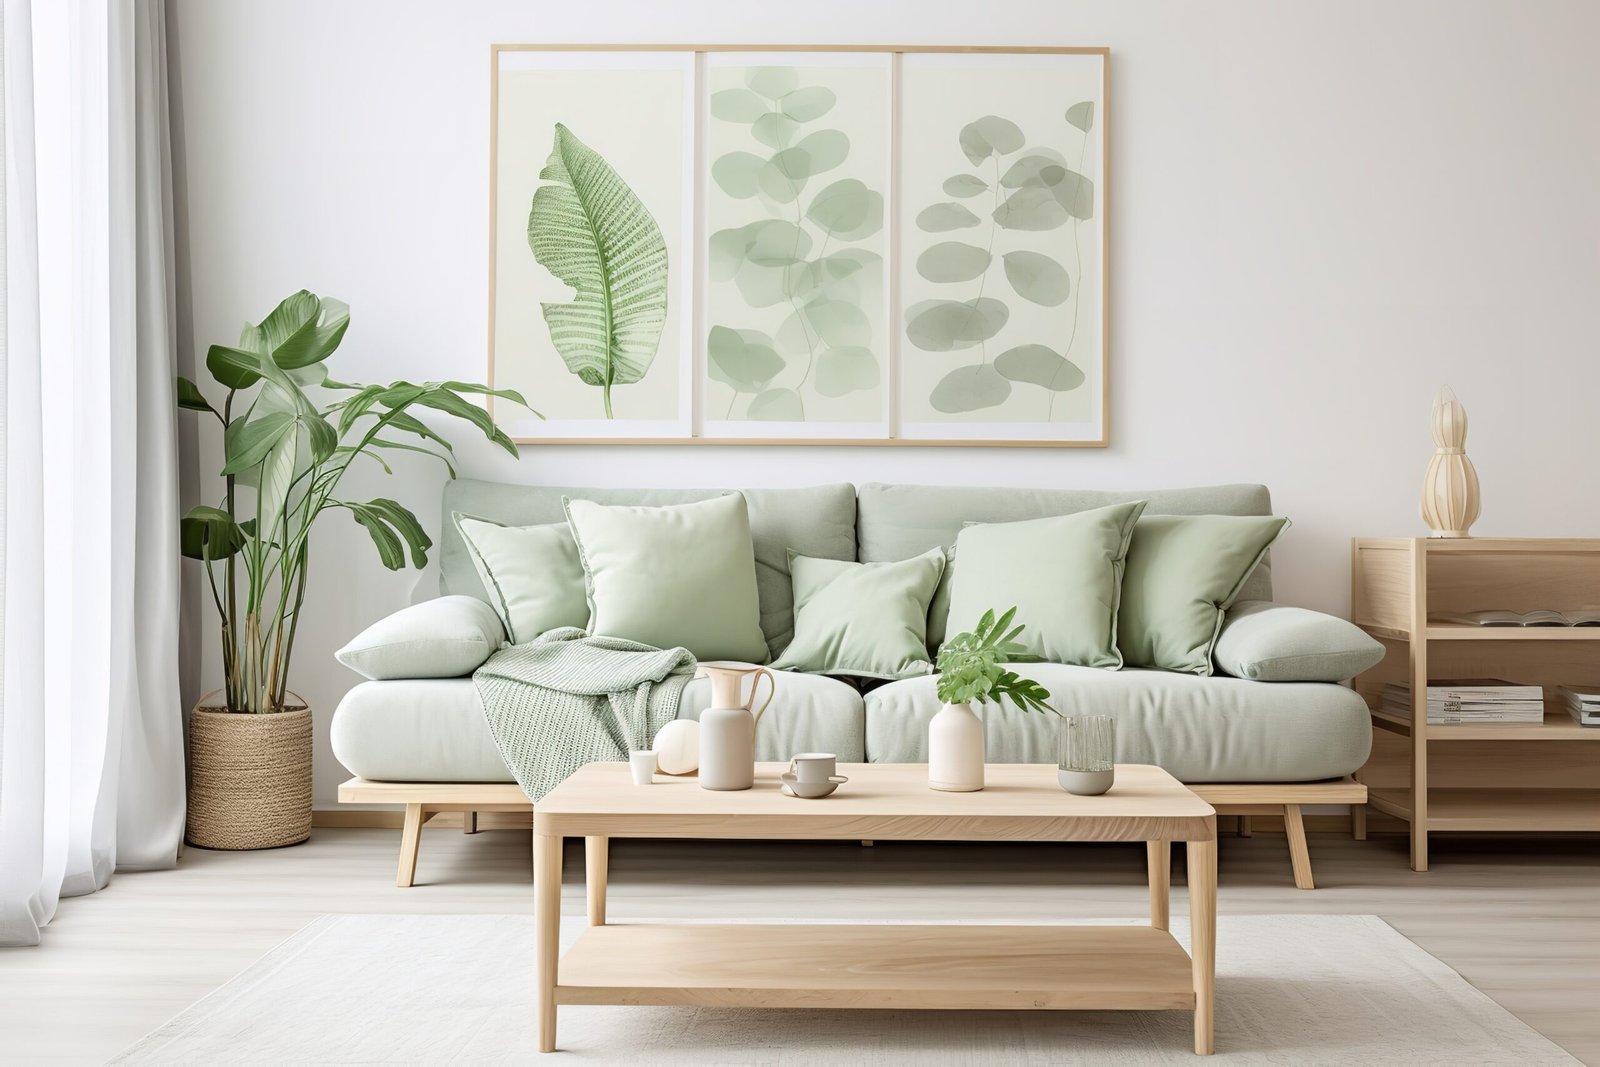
869	620
1063	573
1271	642
532	574
681	575
1183	572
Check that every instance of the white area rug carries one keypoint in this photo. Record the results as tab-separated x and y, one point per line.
458	989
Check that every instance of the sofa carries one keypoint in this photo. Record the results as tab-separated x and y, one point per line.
1249	743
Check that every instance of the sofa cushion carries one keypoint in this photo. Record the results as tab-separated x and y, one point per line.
901	521
1278	643
869	620
1183	571
818	521
1200	729
435	731
1063	574
679	574
447	637
532	573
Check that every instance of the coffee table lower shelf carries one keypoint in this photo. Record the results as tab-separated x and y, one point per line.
794	965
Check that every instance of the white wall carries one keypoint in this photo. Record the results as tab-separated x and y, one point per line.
1322	210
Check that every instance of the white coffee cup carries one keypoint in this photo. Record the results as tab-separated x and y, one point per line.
816	768
643	766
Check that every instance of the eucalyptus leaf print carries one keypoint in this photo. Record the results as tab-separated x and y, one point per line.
795	319
999	335
588	229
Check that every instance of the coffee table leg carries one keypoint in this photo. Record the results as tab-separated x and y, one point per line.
1203	940
596	852
547	924
1159	854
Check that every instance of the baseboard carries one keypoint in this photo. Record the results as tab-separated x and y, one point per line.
494	820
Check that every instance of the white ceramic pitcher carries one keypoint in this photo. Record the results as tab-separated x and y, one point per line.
728	727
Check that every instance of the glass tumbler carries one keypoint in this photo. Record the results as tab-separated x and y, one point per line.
1088	749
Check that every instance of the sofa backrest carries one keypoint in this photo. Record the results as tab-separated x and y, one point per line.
900	521
817	521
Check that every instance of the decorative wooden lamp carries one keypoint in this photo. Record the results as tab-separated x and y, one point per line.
1450	488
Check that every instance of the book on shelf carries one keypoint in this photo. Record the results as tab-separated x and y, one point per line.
1582	704
1475	702
1503	617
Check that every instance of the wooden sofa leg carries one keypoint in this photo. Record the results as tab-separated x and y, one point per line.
1358	821
410	838
469	822
1294	828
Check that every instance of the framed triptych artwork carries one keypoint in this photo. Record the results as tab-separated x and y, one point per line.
885	245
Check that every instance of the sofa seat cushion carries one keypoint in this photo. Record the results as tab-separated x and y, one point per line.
434	730
1200	729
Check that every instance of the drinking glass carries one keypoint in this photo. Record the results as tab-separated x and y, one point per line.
1088	749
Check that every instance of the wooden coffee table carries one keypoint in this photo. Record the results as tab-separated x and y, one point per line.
879	965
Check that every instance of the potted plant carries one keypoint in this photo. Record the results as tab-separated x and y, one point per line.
284	458
973	668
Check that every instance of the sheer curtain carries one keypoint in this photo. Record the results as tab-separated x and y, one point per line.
91	744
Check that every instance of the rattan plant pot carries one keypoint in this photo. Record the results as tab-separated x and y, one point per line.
249	778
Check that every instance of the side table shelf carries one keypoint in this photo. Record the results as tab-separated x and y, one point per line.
1478	777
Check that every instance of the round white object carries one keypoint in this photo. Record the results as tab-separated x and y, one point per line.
678	747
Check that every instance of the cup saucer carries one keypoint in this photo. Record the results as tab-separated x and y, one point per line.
807	790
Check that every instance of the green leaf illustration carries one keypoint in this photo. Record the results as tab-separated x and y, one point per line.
964	185
941	218
1037	278
744	359
589	229
775	129
808	104
953	261
779	405
950	325
1040	167
846	370
1031	208
990	136
1038	365
737	105
1082	115
738	174
774	83
969	389
786	173
847	209
835	321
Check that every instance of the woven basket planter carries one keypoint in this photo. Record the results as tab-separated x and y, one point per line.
249	778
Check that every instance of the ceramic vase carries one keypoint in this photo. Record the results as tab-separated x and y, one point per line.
1450	488
955	750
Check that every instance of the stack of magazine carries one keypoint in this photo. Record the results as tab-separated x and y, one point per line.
1470	702
1582	704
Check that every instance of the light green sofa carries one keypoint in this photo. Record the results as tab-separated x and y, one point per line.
1204	730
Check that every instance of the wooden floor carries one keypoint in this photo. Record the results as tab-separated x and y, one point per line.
1520	919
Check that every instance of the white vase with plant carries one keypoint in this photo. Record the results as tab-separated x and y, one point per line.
284	457
973	669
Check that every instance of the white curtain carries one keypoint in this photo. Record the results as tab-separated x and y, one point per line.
91	735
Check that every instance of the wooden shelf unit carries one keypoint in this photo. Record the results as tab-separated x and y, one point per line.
1478	777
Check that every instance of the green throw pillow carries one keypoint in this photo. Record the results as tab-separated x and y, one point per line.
1278	643
681	575
1183	572
532	574
1063	573
864	619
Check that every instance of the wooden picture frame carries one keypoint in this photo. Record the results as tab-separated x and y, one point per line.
691	364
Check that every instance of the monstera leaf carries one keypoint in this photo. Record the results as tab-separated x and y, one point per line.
590	230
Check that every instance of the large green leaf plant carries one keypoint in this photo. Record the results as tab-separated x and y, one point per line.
284	457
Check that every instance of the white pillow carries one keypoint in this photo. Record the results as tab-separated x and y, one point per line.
445	638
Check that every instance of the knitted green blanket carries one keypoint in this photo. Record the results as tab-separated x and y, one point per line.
565	699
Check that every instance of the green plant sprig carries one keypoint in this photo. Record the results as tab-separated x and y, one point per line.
972	666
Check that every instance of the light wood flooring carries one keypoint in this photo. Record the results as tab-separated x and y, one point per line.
1520	919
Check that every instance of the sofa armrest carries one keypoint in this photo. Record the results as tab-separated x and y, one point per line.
1269	642
448	637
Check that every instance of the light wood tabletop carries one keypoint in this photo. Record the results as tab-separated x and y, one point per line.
882	965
